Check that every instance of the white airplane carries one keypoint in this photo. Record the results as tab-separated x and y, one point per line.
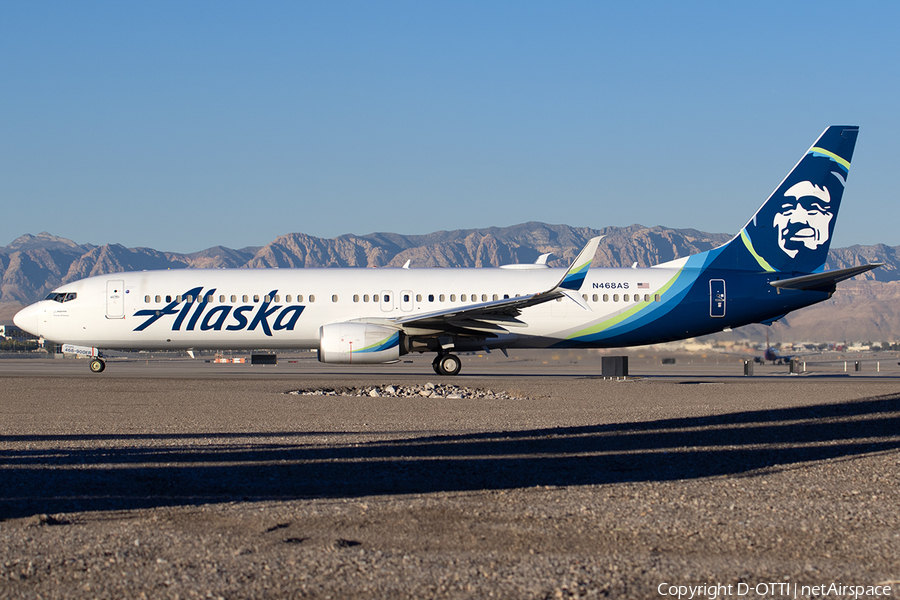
364	316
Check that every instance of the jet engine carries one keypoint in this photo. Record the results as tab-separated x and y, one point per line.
359	343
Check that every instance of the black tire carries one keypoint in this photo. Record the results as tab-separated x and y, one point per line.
448	364
97	365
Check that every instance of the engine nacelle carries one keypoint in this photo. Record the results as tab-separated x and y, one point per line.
358	343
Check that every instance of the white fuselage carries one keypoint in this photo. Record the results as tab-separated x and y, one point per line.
284	308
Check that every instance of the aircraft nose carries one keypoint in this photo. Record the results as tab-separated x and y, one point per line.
27	319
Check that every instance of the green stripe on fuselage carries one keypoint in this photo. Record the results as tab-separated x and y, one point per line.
604	325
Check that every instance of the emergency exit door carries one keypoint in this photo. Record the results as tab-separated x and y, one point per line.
717	297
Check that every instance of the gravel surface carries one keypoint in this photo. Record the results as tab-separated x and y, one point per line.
181	481
426	390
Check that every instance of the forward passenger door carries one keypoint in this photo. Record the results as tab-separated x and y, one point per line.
115	299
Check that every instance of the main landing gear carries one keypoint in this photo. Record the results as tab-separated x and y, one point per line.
446	364
97	365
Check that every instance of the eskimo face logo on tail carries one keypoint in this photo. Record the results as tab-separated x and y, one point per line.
194	315
793	229
804	218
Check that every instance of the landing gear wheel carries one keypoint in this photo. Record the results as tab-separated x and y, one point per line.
97	365
434	364
447	364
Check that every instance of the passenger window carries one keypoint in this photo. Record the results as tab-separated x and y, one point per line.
452	297
209	299
375	298
312	298
431	297
300	298
657	298
246	298
255	297
494	296
334	298
594	297
147	299
287	298
366	297
624	297
158	299
188	299
441	298
615	297
606	297
418	297
646	297
462	297
356	297
277	298
387	298
484	297
169	299
585	296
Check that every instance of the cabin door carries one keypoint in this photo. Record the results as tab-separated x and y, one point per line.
717	297
115	299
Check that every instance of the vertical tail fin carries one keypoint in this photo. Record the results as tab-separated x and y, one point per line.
792	230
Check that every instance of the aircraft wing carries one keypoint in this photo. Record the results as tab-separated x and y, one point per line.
498	315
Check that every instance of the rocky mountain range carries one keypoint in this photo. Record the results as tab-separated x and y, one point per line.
33	265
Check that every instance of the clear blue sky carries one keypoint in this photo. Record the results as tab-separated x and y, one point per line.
184	125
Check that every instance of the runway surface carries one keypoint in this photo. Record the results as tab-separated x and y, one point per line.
186	478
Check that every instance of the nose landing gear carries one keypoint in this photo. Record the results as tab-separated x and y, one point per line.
97	365
446	364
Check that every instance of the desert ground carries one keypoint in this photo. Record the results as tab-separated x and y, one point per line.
527	476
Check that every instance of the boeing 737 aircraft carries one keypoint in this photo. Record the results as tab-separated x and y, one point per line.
364	316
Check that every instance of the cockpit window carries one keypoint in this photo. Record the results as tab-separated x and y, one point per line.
62	296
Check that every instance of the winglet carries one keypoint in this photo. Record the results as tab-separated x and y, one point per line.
574	277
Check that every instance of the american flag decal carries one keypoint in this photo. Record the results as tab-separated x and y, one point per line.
643	286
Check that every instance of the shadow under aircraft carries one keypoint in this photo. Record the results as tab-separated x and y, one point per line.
151	470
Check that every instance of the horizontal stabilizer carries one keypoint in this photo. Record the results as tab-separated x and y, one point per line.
822	282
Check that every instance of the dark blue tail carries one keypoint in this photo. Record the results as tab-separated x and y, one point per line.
792	230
